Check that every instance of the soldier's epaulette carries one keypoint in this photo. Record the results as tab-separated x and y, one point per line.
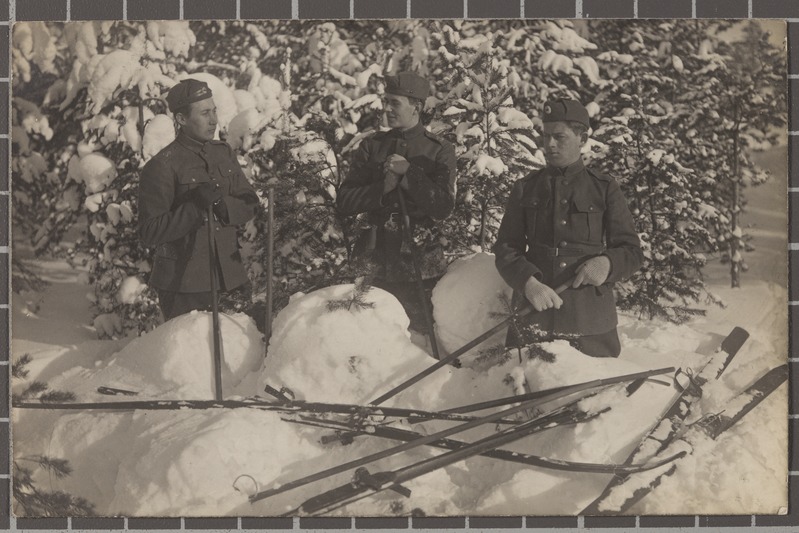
432	136
165	154
599	175
534	174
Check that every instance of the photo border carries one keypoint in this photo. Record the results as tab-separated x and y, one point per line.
67	10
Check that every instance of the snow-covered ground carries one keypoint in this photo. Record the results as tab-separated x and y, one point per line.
202	463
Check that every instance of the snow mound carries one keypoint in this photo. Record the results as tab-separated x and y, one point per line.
187	464
461	315
175	361
354	354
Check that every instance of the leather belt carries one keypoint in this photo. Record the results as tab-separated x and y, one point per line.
566	251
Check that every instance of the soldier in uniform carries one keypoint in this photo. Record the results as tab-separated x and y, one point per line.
568	223
423	166
177	187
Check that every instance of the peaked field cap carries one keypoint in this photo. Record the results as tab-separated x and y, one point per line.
187	92
408	84
565	109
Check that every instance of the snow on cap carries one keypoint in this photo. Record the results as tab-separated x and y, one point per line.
408	84
187	92
566	110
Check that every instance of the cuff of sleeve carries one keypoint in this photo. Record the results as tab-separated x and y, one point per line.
414	176
613	256
519	279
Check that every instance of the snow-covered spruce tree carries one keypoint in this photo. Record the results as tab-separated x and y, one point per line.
474	107
750	99
644	153
326	99
112	73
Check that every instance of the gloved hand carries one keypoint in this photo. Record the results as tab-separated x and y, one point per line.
205	195
541	296
595	272
391	181
396	163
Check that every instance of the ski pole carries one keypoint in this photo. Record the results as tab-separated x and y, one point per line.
451	431
393	433
417	270
527	310
214	305
270	257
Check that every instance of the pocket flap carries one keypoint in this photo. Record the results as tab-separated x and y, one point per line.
193	176
533	203
588	205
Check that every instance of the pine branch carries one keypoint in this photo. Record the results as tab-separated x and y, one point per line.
38	503
57	397
58	467
493	355
35	388
357	299
18	369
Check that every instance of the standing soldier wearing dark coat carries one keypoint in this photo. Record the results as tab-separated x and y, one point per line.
422	165
567	221
177	187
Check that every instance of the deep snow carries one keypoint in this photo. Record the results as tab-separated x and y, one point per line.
195	463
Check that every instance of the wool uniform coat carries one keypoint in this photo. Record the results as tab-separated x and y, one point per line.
556	219
177	227
430	198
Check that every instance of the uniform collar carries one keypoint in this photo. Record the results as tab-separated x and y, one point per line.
193	145
569	170
410	133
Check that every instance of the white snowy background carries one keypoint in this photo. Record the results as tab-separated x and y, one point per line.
204	463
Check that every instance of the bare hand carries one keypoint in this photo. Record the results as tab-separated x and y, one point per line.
541	296
396	163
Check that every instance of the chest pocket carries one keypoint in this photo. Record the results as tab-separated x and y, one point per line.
227	173
190	177
586	218
533	209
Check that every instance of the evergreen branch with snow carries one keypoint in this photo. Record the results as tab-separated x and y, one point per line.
58	467
357	298
57	397
493	356
19	368
31	501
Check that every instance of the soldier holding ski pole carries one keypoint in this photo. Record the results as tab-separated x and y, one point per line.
568	221
401	245
192	196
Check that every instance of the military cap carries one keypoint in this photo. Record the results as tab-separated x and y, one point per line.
187	92
408	84
564	109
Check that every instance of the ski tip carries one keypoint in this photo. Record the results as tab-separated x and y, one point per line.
735	340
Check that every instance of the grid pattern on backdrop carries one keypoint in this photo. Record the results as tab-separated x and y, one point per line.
18	10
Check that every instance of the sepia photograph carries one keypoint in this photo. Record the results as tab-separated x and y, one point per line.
414	267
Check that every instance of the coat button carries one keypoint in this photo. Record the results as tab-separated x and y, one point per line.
562	243
566	182
192	179
590	207
563	264
562	222
564	201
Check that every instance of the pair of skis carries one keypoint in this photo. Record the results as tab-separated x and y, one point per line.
669	432
565	414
